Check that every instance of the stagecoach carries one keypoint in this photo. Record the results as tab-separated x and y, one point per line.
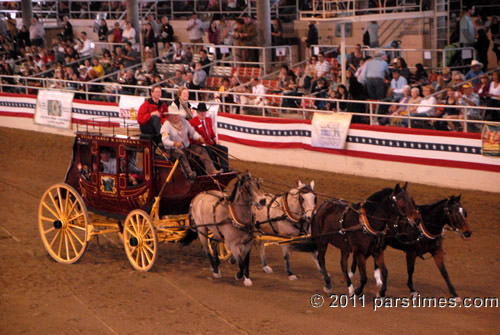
119	182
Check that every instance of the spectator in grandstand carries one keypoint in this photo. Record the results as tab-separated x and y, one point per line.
195	30
188	55
303	80
474	72
203	126
225	97
152	114
199	76
469	98
166	31
320	91
182	103
341	94
467	29
213	32
457	78
131	56
372	29
421	77
107	61
399	109
451	112
116	34
154	26
177	81
398	83
176	132
355	57
482	89
205	61
226	31
179	53
102	31
97	67
495	37
321	70
36	32
482	42
311	38
494	97
373	75
148	39
257	98
128	34
23	37
84	48
129	80
400	64
67	33
277	36
249	37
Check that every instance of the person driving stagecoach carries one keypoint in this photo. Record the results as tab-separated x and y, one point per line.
175	134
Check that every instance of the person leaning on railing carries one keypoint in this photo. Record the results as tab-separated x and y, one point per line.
494	97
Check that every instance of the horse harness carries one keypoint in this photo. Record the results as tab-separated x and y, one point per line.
288	215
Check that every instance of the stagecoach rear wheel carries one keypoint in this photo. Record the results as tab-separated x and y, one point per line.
140	240
63	220
221	247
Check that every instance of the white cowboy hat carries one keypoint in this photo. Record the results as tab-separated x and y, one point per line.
475	62
173	110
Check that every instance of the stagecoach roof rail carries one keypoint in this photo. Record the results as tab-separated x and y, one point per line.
104	126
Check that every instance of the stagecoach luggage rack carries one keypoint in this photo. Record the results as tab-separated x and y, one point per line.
105	126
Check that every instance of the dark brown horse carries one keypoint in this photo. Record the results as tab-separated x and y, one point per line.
359	229
427	237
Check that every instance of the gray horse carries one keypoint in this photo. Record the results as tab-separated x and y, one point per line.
229	219
288	214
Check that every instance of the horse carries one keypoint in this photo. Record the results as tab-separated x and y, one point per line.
427	237
229	219
359	228
285	215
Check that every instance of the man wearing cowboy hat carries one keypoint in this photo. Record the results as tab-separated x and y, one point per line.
175	134
203	125
474	72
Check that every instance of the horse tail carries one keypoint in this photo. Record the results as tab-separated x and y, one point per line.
307	245
192	232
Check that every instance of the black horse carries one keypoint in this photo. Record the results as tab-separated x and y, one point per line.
427	237
359	229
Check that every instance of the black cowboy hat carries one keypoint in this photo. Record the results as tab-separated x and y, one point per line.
202	107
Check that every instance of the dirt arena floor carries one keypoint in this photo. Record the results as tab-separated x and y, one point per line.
102	294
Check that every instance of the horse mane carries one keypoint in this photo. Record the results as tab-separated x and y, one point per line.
235	190
430	208
376	198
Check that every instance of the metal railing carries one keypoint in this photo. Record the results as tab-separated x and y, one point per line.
305	104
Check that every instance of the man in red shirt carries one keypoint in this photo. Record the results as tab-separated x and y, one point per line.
152	114
203	125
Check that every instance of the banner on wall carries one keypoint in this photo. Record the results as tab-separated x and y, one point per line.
53	108
490	139
330	130
129	106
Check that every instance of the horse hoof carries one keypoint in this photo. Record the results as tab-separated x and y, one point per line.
414	293
458	300
247	282
327	289
378	277
232	260
217	274
351	290
238	276
350	274
267	269
292	277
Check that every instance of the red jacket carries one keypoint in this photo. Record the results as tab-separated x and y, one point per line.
198	126
149	107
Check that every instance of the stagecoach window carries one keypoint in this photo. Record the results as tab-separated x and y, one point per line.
84	160
107	157
133	166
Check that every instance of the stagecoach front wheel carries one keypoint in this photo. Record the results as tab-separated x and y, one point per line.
221	248
63	221
140	240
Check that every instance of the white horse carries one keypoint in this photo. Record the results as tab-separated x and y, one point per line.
288	214
229	219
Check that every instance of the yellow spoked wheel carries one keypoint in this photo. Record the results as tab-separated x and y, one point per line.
63	221
140	240
221	247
